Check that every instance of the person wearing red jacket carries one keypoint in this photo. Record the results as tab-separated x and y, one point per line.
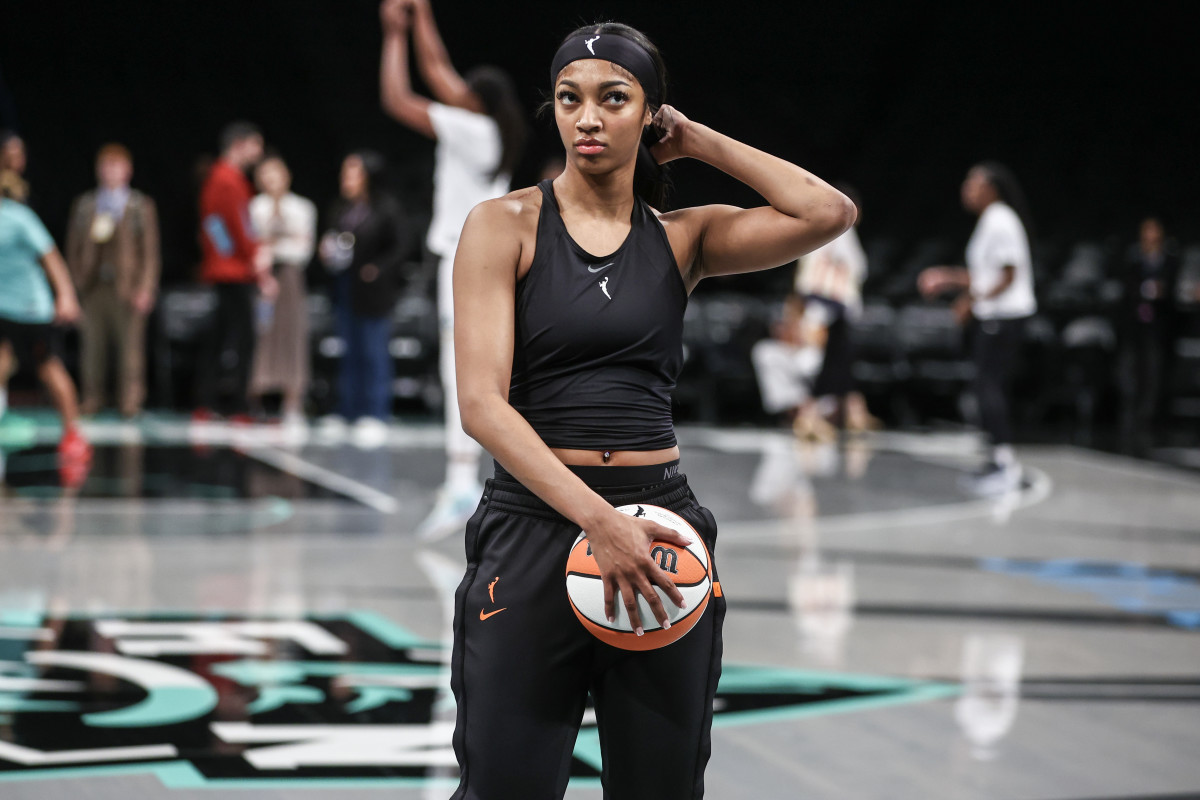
238	266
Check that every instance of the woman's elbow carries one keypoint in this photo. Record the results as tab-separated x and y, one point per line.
838	212
474	413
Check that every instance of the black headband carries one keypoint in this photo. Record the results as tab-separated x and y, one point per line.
610	47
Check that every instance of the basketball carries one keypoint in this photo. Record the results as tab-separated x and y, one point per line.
690	570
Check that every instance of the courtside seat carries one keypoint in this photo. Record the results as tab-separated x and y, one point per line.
933	365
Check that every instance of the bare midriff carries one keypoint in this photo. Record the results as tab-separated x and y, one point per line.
615	458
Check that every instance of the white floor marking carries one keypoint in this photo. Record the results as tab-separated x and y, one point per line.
295	465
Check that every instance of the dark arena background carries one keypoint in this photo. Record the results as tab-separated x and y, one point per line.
254	606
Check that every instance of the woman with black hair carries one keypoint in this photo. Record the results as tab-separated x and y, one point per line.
364	247
575	291
996	291
480	130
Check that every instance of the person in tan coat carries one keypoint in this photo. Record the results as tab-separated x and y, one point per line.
113	254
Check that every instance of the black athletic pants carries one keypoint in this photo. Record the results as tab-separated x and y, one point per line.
997	343
522	676
1141	368
224	368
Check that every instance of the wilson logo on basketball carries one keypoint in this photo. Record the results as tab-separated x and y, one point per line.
666	558
688	567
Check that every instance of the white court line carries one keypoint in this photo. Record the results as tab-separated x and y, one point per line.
294	465
944	447
1039	489
1129	467
167	505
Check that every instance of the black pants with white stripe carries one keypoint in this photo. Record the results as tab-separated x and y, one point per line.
522	676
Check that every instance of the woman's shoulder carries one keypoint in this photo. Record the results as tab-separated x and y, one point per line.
516	210
999	214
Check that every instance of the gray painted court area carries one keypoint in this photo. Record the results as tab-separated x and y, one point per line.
1043	646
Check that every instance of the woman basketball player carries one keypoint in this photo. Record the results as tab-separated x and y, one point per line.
996	290
480	129
570	298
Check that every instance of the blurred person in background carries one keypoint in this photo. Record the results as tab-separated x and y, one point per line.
787	363
1146	331
36	296
994	296
12	167
830	278
238	266
287	223
480	130
14	187
114	258
363	248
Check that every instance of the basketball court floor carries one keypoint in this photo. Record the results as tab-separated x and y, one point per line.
223	612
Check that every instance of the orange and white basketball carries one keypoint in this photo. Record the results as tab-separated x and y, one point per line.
689	567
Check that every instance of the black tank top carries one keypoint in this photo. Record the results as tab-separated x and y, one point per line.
599	340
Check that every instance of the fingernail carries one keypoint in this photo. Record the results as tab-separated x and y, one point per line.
611	618
640	632
683	603
666	625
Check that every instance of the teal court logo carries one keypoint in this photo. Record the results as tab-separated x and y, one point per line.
336	700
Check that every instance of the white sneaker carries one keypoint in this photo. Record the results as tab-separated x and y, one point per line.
294	429
331	429
370	433
993	480
450	513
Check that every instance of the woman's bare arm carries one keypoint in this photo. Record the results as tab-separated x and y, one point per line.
803	213
434	63
485	281
395	83
66	304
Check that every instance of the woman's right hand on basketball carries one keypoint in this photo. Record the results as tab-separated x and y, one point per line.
621	546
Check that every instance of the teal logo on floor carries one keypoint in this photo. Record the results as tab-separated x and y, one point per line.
348	700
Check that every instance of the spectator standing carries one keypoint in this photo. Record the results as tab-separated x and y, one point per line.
364	247
35	296
237	266
287	223
12	167
114	258
1146	330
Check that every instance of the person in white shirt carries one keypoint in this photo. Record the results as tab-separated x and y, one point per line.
288	223
996	290
480	129
830	279
786	363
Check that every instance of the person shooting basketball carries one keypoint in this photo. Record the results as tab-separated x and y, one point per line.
569	298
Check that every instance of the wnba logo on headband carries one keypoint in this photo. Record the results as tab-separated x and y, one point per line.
610	47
